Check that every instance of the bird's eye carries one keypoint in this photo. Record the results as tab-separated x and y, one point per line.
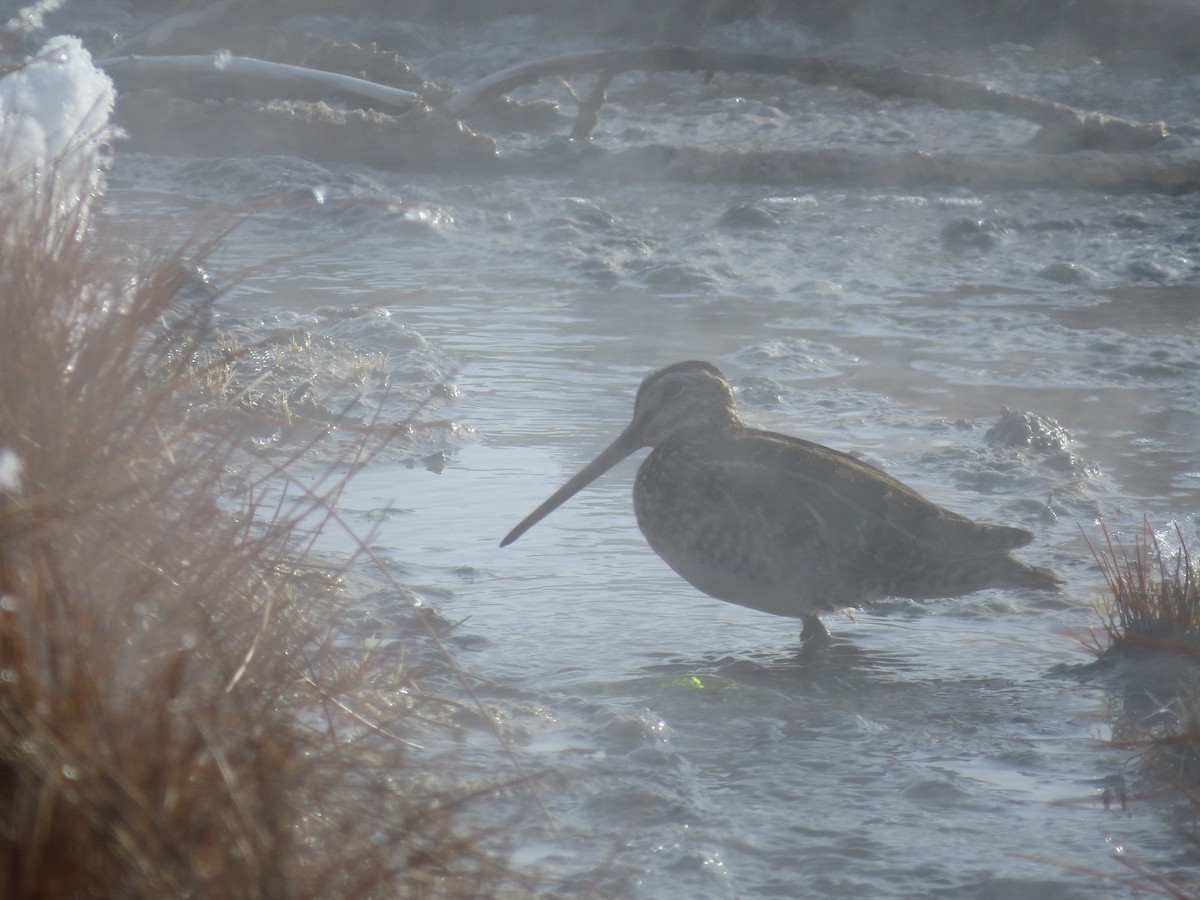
673	390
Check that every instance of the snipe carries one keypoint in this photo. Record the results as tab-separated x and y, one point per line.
784	525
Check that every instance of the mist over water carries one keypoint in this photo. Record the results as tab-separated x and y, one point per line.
1022	356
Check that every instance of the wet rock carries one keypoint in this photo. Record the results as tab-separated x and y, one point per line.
1148	270
434	462
1026	430
588	213
748	216
1040	436
670	276
1131	220
971	234
934	792
1067	273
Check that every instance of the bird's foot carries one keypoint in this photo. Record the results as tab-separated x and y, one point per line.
814	635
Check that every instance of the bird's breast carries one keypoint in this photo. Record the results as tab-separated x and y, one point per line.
717	538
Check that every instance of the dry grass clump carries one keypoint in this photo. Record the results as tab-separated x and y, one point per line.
176	716
1153	596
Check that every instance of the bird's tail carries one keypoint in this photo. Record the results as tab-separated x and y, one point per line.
969	575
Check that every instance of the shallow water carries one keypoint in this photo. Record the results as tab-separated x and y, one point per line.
942	748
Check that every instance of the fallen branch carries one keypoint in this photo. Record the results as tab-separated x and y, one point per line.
227	64
1064	128
589	109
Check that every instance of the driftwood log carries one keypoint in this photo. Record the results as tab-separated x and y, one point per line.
1063	128
415	131
260	69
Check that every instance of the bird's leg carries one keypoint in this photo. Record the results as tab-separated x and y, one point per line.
814	634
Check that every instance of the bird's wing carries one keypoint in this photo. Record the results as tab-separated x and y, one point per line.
802	489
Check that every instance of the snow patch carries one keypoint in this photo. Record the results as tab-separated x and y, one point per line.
55	122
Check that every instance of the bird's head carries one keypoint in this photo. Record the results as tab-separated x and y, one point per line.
687	397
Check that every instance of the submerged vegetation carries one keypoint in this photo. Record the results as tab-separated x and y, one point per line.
180	713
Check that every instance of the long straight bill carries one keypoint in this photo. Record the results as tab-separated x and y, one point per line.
628	441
